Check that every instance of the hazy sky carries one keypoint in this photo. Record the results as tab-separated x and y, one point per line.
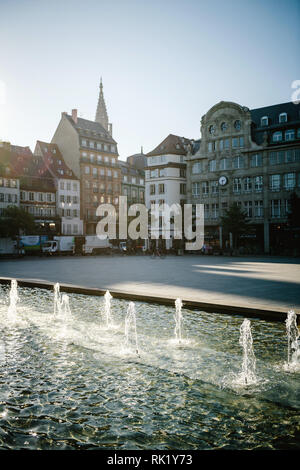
164	63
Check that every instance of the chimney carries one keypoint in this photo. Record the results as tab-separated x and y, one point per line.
74	115
64	113
110	128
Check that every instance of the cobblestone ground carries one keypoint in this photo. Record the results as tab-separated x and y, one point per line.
264	282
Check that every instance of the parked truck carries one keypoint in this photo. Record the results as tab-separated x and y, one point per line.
59	246
8	247
32	244
95	246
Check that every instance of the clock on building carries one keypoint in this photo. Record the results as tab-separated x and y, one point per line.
223	180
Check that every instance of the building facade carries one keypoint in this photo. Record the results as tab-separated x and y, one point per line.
90	151
251	158
165	174
9	181
67	188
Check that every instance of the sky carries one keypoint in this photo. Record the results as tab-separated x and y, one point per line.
164	63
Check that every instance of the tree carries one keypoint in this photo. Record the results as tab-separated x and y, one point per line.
16	221
236	222
294	213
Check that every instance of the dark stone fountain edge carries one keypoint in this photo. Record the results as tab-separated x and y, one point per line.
272	315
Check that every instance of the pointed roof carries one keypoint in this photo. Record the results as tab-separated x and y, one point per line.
173	144
101	113
54	160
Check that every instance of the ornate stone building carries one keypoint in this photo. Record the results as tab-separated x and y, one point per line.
252	158
91	152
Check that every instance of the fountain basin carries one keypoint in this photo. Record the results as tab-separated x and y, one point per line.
75	384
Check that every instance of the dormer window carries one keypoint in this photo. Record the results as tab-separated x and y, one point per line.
282	117
53	150
264	121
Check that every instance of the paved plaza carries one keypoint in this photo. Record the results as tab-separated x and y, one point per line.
255	282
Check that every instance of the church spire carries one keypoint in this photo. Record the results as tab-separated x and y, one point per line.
101	113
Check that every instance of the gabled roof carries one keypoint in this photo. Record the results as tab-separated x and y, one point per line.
29	168
173	144
54	161
90	129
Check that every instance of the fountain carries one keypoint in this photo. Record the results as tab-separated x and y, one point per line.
107	309
13	300
66	382
130	324
178	319
293	344
248	374
57	300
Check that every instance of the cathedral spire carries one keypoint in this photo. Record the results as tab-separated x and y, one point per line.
101	113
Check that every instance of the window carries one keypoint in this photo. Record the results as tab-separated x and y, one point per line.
92	144
75	200
95	172
238	162
154	173
99	146
197	168
241	141
210	146
62	186
275	182
83	142
221	144
276	158
161	188
224	164
215	211
277	136
205	188
275	208
109	173
237	125
41	197
256	160
248	208
182	172
282	117
49	197
133	180
196	189
152	188
289	180
237	185
258	183
182	188
75	228
206	211
226	144
74	186
87	170
116	174
235	142
247	184
287	206
92	157
264	121
258	209
214	187
212	165
289	134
